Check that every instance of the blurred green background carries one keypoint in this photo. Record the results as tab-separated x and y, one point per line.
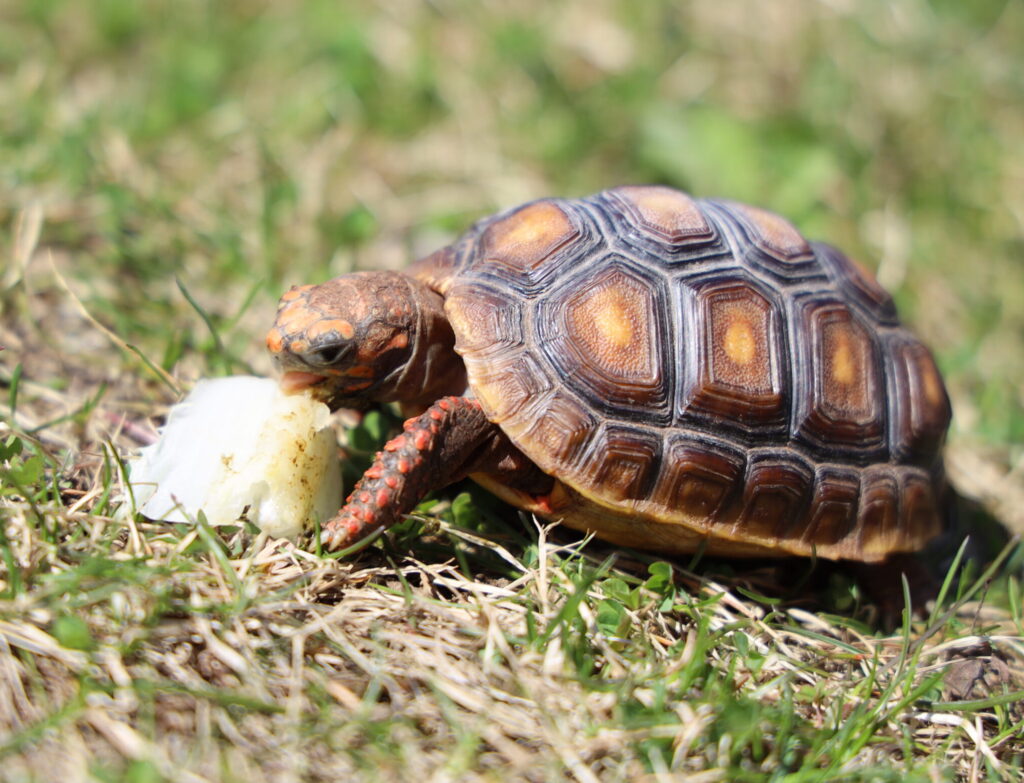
244	146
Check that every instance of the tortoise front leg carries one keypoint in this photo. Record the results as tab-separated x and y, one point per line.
450	440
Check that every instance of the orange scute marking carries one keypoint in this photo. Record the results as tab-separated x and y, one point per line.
738	364
666	212
610	323
933	389
776	233
613	317
844	365
739	342
528	236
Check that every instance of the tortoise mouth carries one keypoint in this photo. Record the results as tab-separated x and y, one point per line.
296	381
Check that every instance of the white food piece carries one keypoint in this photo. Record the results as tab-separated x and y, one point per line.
240	446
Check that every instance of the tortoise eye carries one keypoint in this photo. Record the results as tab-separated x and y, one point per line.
328	354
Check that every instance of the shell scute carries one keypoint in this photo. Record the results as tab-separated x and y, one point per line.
624	462
841	399
776	492
526	246
833	511
878	516
488	321
920	405
857	283
773	234
606	331
737	377
559	433
508	386
664	213
699	477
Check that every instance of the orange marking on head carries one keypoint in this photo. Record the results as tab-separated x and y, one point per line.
274	341
295	292
359	371
400	340
298	346
739	343
297	317
336	325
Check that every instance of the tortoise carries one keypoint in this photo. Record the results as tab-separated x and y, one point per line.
669	373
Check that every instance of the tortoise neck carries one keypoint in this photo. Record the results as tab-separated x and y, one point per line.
433	369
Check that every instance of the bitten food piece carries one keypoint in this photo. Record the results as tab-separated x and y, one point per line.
666	372
241	448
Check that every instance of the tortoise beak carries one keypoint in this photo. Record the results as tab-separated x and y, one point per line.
296	381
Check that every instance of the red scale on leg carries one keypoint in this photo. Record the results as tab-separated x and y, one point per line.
436	449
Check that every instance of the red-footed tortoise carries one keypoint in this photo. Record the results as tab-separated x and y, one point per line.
666	372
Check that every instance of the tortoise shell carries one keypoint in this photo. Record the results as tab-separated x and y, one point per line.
695	373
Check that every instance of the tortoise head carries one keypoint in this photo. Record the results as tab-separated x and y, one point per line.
362	338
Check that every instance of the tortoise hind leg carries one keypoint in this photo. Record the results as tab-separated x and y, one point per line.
451	439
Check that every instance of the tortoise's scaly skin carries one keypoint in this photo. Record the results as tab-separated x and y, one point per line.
695	373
